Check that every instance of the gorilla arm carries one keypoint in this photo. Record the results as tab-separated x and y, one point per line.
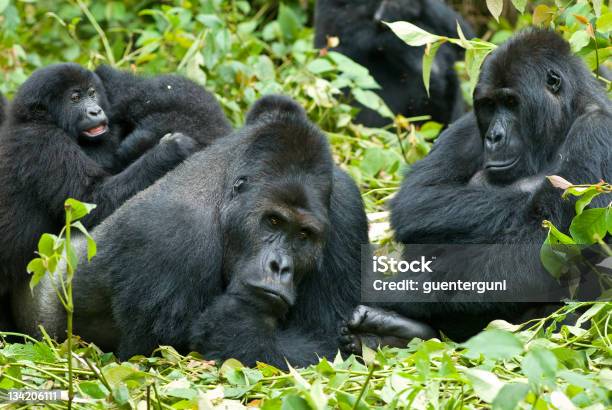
445	200
232	327
56	168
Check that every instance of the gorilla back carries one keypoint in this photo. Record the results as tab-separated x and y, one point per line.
262	247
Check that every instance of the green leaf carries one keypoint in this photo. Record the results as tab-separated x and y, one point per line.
590	225
288	22
78	209
92	248
495	7
510	396
372	101
519	5
597	7
540	366
46	244
579	40
95	390
294	402
495	344
473	60
428	58
604	23
230	370
37	268
320	65
3	5
586	199
486	385
411	34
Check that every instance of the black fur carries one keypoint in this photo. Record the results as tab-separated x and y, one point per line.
3	104
175	262
396	66
559	119
46	157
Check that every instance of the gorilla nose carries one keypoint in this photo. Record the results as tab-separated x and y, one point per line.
494	137
94	112
280	264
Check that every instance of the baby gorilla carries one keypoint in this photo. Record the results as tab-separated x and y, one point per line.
62	138
256	257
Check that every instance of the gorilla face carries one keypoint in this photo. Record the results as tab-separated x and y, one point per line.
79	112
497	110
274	235
69	96
524	110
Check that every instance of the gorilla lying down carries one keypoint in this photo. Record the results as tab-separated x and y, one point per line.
98	137
250	249
538	111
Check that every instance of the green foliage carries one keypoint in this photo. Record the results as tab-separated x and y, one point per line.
541	365
587	25
560	253
58	252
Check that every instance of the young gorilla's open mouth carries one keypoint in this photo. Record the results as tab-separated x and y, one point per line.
96	131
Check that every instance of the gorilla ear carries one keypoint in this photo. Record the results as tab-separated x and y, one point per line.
272	106
553	81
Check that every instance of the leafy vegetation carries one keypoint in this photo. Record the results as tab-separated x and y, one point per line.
241	50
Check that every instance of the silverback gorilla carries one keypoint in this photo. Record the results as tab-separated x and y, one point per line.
98	138
538	111
256	257
394	65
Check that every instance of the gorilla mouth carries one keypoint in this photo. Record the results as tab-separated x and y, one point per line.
96	131
275	295
501	166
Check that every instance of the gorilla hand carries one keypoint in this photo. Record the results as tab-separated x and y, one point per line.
379	327
182	145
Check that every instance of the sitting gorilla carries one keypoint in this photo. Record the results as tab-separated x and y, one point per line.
64	138
394	65
538	111
256	257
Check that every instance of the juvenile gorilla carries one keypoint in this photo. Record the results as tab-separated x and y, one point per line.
538	112
63	138
256	257
394	65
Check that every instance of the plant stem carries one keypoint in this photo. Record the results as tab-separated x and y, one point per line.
69	310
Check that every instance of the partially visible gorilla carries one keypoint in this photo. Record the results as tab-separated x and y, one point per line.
256	257
95	137
394	65
538	111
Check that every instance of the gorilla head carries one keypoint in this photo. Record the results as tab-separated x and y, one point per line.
525	104
78	108
275	219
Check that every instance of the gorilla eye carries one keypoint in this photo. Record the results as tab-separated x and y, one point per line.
274	220
511	101
91	92
239	185
304	234
75	97
553	81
